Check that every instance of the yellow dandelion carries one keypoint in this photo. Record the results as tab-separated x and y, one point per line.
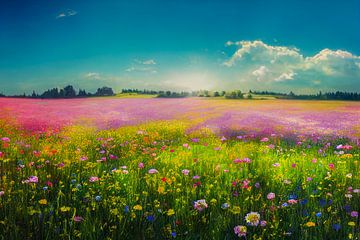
170	212
352	224
43	201
310	224
137	207
65	209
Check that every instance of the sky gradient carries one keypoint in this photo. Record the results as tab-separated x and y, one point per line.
303	46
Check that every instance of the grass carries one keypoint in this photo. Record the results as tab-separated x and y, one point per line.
82	183
134	95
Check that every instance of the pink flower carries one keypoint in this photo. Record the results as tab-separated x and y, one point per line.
2	193
271	146
293	165
200	205
309	179
185	171
240	231
276	165
314	160
292	201
265	139
1	154
331	166
141	165
270	196
5	139
153	171
93	179
237	161
263	223
78	219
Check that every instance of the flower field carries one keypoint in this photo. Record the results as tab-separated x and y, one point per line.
107	168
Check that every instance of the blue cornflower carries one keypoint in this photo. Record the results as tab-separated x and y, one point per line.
126	209
336	226
285	205
322	202
304	201
150	218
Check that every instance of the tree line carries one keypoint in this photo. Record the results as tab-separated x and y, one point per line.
70	92
66	92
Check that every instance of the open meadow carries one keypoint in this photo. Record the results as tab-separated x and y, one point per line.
194	168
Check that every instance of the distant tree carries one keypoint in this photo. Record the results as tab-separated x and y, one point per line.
34	95
69	92
216	94
105	91
249	96
82	93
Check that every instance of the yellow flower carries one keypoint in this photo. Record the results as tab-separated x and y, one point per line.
137	207
236	209
161	189
310	224
352	224
170	212
64	209
43	201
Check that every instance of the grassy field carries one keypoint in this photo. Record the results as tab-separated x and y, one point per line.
158	181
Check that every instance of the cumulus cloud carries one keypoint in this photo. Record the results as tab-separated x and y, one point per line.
285	76
67	13
260	73
260	62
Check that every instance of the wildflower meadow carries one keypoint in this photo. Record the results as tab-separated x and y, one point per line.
179	169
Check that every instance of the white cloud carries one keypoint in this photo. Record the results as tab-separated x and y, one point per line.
260	73
67	13
149	62
141	69
93	75
287	66
143	66
285	76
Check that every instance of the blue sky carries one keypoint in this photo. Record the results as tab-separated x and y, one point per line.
303	45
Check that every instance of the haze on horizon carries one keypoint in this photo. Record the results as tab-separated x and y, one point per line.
300	46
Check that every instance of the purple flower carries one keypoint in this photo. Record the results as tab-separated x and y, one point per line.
141	165
33	179
354	214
